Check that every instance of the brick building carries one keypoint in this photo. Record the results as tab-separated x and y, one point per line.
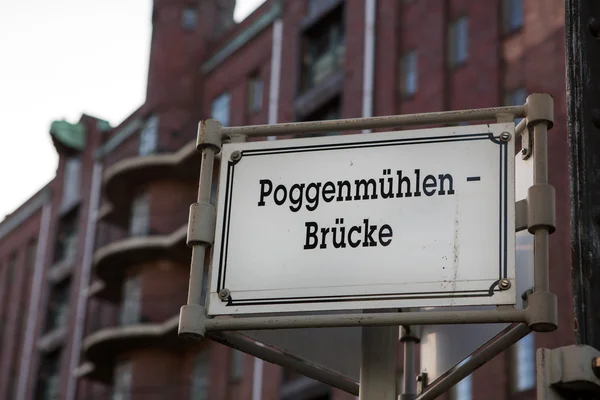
94	267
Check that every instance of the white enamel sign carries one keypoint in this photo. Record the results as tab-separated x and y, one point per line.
368	221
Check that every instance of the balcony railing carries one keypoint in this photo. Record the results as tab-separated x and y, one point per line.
154	309
162	223
324	66
168	142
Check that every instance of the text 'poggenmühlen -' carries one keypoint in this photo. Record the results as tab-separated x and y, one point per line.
389	186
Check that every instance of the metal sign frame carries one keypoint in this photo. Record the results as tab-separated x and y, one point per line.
537	214
307	276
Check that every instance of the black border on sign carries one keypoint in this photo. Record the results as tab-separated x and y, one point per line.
503	222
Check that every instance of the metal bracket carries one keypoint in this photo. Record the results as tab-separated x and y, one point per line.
569	368
421	382
201	225
526	143
520	215
541	208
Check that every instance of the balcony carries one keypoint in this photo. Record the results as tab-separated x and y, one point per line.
323	59
134	324
128	173
117	250
181	391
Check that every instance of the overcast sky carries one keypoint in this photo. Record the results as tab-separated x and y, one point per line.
62	58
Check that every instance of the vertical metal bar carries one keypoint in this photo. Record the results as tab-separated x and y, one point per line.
196	278
379	363
540	177
199	250
582	26
409	391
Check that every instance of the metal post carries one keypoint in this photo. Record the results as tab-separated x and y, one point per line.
410	382
582	26
409	389
540	177
379	364
199	250
541	214
201	231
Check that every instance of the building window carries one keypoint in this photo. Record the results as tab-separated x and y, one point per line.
516	98
408	74
314	6
513	15
523	364
122	382
71	181
149	136
236	366
66	242
139	224
58	306
458	41
189	19
132	295
255	93
463	390
220	108
30	254
201	377
323	50
49	378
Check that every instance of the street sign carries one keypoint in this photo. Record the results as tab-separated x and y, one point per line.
444	346
390	220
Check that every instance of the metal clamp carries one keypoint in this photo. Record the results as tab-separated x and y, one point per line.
567	368
209	135
541	208
201	225
540	108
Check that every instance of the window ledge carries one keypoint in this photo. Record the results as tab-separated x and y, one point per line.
509	32
52	340
61	270
318	96
408	96
458	65
69	205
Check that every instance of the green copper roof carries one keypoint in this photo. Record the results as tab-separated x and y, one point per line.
70	135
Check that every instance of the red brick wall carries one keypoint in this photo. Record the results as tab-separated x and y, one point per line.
164	289
532	57
169	204
153	370
232	76
14	298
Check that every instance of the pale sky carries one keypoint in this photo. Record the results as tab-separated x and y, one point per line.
59	59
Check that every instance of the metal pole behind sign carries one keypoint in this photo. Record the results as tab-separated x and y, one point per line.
410	337
379	363
582	25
